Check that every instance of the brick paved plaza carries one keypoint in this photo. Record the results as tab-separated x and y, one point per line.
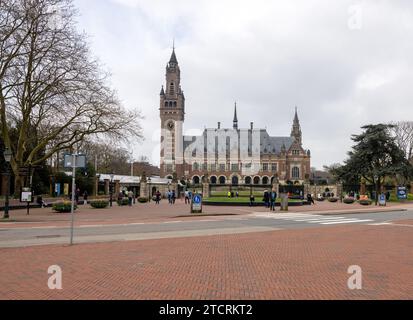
289	264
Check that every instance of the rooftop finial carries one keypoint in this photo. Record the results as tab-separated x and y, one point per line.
235	117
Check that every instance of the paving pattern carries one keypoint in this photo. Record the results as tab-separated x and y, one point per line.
309	263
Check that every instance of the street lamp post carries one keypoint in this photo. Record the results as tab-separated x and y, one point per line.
149	189
111	189
7	157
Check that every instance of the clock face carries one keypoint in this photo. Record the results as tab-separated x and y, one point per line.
170	125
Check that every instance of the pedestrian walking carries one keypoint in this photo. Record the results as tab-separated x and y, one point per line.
77	195
273	198
252	200
173	196
310	199
157	197
85	195
130	198
266	199
187	197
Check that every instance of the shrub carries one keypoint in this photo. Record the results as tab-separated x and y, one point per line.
332	199
63	206
348	200
142	200
99	204
123	202
365	202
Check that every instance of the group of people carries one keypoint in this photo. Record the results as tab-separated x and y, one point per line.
171	195
188	196
130	195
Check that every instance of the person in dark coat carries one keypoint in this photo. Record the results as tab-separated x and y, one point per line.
266	199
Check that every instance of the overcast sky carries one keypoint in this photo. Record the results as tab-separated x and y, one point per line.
344	64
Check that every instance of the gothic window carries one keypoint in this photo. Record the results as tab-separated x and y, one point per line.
296	173
265	167
222	180
296	152
234	167
172	88
213	180
265	180
222	167
196	180
195	166
175	104
235	180
247	180
204	166
257	180
273	167
170	104
166	103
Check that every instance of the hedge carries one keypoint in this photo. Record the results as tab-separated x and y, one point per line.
99	204
63	207
348	200
365	202
142	200
123	202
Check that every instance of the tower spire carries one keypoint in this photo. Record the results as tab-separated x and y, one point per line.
173	59
296	129
235	117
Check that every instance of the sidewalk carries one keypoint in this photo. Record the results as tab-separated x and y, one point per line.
289	264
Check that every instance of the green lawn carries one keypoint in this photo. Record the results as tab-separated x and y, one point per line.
245	193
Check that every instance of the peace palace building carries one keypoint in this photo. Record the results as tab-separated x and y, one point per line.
225	155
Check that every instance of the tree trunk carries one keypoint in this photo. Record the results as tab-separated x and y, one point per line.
18	184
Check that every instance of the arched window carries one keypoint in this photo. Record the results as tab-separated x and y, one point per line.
172	88
295	173
213	180
195	166
257	180
166	104
175	104
170	104
195	180
222	180
265	180
247	180
235	180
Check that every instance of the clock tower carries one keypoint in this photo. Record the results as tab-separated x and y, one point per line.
172	113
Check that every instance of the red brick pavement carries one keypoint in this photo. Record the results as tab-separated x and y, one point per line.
290	264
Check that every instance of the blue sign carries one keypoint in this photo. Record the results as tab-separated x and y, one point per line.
382	199
196	205
197	199
401	193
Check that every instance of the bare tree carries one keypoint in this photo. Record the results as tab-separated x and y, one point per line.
49	82
403	133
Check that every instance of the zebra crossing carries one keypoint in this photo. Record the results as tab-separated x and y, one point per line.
309	218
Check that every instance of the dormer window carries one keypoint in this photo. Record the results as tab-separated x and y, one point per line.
296	152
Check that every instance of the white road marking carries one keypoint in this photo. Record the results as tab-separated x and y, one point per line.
348	221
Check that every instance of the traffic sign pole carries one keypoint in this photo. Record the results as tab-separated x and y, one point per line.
73	199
